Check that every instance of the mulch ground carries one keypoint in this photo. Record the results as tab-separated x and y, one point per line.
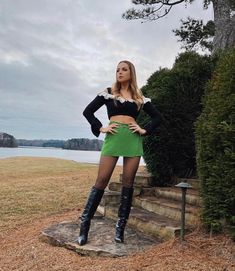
38	192
23	249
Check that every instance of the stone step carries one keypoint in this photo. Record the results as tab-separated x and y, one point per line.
148	222
113	197
144	179
174	193
148	191
195	183
171	209
110	197
117	187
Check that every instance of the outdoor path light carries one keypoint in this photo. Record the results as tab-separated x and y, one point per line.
184	186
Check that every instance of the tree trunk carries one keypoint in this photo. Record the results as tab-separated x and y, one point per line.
224	19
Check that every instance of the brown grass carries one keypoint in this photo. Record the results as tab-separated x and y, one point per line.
38	187
36	192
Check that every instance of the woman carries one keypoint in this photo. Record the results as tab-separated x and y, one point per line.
123	138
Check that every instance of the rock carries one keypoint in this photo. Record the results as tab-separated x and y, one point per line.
101	238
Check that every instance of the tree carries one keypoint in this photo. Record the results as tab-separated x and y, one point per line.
224	17
7	140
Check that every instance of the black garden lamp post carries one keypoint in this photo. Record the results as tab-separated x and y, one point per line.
184	186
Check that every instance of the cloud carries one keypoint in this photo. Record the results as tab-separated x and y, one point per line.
56	55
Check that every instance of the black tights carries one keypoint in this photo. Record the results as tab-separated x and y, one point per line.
107	165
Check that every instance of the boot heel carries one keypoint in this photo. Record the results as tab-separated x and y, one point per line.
84	229
120	227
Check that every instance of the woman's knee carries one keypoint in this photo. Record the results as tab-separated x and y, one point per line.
101	183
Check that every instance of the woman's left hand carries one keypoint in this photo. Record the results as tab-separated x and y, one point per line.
137	129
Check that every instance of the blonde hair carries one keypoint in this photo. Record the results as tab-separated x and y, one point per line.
136	93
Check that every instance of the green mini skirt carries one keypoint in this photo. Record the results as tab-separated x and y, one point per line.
122	143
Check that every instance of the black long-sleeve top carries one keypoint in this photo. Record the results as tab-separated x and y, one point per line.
122	107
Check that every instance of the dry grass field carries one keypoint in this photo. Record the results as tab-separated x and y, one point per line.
38	187
36	192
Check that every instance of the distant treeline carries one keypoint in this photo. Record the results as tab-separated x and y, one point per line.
41	143
7	141
71	144
83	144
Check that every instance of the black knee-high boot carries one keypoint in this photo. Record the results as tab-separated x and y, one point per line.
123	213
88	213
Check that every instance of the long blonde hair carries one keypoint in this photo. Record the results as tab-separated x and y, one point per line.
136	93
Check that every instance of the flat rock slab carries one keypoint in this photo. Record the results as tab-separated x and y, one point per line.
101	238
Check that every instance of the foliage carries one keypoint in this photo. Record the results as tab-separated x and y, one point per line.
177	94
72	144
155	9
194	34
7	140
224	15
41	143
215	146
83	144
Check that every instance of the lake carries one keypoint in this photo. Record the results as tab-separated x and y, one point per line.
79	156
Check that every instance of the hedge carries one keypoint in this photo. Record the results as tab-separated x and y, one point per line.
215	138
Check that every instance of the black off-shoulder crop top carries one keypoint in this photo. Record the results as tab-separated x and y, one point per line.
122	107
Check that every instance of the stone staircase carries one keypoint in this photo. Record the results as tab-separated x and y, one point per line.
156	211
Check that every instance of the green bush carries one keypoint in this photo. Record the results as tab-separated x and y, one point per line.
215	139
177	94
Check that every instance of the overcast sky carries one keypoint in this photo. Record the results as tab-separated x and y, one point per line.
56	55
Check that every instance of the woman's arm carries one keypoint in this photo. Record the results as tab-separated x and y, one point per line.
89	111
155	115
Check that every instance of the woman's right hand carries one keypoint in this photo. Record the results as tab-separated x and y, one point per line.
110	129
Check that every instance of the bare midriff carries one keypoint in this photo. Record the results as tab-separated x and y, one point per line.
123	119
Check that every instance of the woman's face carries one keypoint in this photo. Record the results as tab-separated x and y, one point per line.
123	73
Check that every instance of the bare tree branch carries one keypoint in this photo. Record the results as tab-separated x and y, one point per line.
153	2
156	9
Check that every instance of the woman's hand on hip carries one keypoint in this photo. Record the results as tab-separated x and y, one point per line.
137	129
110	129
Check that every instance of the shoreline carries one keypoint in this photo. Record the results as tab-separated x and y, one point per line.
82	156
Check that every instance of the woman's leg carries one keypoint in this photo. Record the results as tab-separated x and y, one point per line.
106	167
130	167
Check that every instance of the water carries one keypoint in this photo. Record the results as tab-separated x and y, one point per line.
79	156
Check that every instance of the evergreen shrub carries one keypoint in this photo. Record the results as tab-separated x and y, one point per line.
176	93
215	138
